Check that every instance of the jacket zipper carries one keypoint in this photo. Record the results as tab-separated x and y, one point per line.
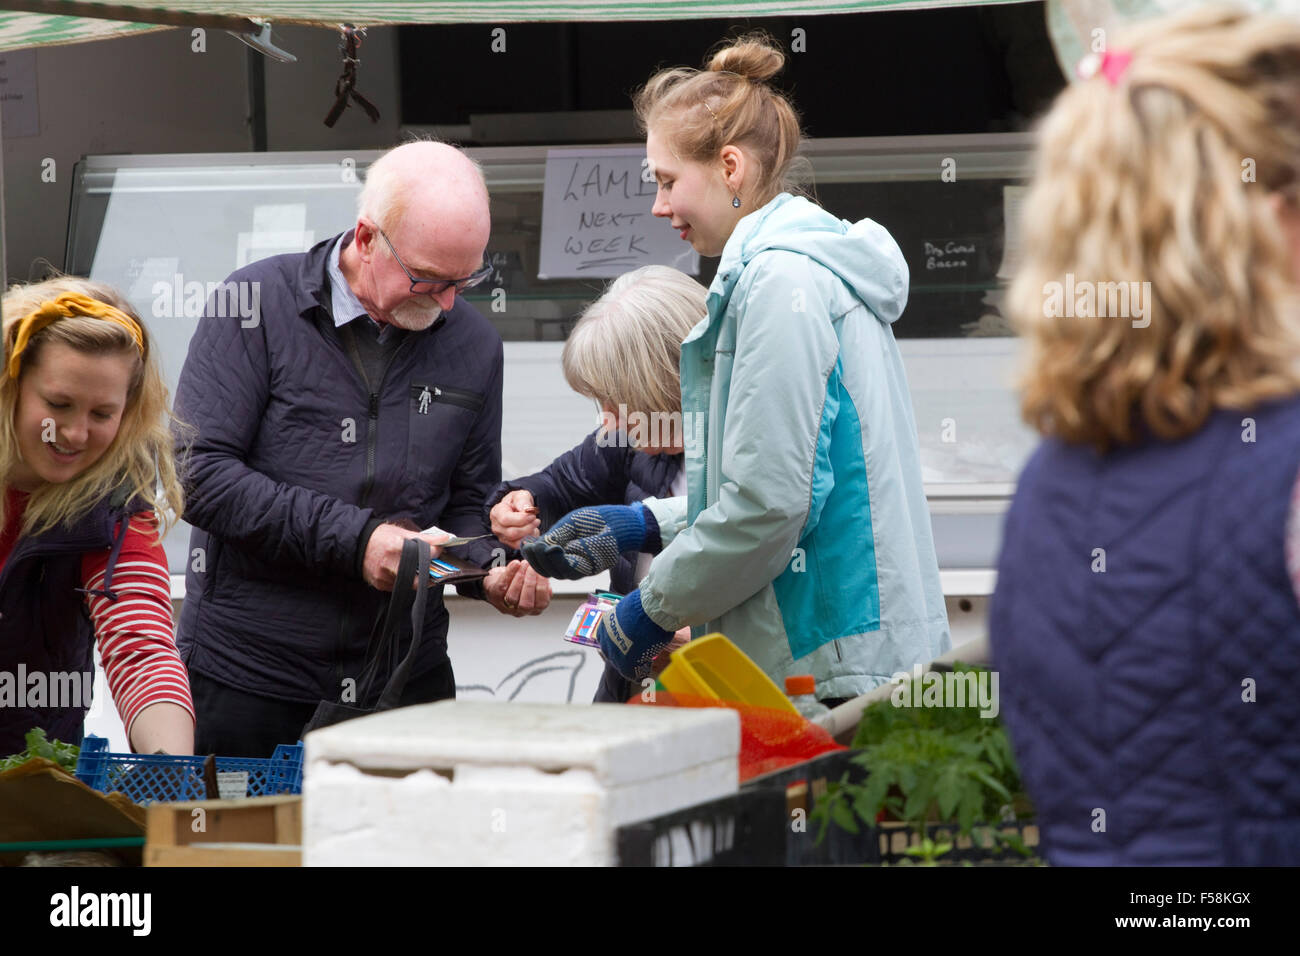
458	396
372	441
372	421
372	409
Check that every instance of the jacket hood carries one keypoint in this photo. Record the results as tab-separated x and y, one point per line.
863	254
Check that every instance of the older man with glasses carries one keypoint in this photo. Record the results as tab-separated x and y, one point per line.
363	405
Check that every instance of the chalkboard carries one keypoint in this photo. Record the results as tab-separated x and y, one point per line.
596	219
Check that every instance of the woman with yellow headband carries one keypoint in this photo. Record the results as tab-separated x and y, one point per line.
89	478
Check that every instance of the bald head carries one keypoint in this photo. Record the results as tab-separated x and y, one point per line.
431	193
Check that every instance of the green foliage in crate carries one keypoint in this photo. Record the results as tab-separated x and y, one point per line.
930	764
65	755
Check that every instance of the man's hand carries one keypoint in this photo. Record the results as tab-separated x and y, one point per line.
589	540
517	590
384	551
514	518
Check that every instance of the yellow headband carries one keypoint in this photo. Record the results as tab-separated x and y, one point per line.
65	306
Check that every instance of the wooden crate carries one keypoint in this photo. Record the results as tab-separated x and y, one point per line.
258	831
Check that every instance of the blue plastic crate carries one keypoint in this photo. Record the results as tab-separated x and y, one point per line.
163	778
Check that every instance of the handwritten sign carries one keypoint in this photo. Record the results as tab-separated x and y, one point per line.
596	217
18	93
947	254
506	267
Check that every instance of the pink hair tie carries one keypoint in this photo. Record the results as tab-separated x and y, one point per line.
1110	64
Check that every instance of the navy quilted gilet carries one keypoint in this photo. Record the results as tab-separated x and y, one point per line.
45	627
1148	640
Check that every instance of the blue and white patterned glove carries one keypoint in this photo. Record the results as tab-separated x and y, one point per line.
629	639
589	540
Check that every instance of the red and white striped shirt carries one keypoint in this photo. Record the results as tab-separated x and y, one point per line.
135	634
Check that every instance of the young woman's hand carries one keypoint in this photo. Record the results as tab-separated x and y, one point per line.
589	540
514	518
629	640
680	640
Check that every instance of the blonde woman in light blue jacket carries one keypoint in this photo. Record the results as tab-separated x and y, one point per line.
804	535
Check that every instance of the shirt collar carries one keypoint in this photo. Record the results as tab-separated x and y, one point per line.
343	301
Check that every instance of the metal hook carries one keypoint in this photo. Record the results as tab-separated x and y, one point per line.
261	42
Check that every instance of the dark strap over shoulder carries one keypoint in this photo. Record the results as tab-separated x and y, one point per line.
114	515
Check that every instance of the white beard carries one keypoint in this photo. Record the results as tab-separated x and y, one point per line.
416	315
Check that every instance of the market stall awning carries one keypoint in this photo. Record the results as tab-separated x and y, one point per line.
31	23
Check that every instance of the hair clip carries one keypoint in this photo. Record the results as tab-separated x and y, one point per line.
1111	65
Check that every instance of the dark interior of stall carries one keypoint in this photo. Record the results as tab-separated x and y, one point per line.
960	70
965	70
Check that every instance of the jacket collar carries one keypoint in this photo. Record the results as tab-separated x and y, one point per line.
746	241
312	288
740	248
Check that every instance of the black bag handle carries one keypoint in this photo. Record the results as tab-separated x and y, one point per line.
406	608
416	559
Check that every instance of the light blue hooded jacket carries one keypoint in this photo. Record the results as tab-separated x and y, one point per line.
804	535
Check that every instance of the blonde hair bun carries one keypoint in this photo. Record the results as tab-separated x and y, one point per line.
730	103
753	57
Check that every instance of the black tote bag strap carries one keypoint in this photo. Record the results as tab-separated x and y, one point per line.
386	638
405	611
416	559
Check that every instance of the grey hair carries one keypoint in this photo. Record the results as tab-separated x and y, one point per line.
626	348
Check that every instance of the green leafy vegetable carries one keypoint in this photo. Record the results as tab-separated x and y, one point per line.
929	765
65	755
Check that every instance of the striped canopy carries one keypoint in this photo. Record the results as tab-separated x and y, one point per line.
31	23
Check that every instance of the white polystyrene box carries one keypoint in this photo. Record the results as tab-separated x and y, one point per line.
475	782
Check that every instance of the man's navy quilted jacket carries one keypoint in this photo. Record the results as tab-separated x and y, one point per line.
296	461
1153	705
